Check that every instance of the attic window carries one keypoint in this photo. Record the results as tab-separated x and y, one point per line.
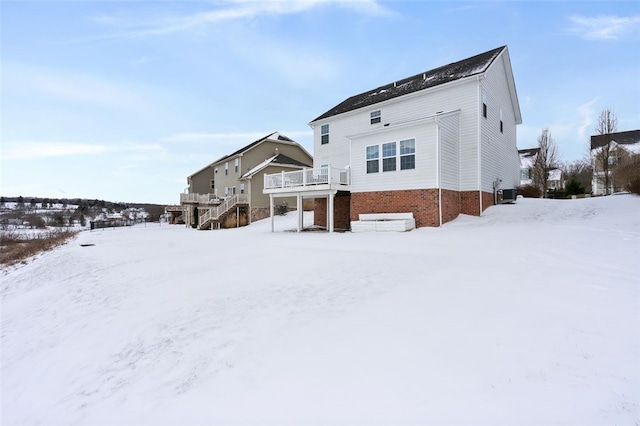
237	164
376	117
226	168
324	134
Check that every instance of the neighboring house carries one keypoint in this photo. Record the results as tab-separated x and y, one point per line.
609	153
228	192
528	159
437	144
555	180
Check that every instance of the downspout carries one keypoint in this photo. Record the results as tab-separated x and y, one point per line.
479	143
439	167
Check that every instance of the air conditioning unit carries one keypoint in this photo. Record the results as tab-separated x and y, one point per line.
508	196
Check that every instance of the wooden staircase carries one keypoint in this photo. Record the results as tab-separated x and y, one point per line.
216	214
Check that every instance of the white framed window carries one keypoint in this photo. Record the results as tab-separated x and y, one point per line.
375	116
524	174
242	188
226	191
373	154
408	154
237	165
226	168
324	134
389	157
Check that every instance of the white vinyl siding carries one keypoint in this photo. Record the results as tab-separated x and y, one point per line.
500	159
450	152
343	151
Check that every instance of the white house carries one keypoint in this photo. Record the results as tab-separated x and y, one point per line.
436	144
528	158
608	153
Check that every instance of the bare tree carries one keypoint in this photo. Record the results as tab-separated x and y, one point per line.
604	156
580	171
546	161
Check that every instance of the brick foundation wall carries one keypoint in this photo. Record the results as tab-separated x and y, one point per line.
341	209
450	205
487	200
470	202
423	203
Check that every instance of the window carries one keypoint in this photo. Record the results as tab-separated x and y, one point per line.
484	103
226	191
213	184
226	168
389	157
237	163
324	134
242	188
408	154
373	165
524	174
233	190
216	169
376	117
501	124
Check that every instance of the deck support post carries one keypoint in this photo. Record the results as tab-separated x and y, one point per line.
300	212
330	212
271	211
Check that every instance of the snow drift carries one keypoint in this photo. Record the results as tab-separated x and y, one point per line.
527	315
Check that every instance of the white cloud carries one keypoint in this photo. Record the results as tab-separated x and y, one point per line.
605	27
71	87
586	112
235	10
29	150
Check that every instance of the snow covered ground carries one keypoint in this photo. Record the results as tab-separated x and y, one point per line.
528	315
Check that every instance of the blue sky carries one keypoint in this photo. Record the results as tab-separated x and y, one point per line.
123	100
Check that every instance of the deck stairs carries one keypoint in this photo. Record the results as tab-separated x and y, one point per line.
215	214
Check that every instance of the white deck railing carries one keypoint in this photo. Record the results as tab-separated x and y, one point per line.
198	198
214	213
307	177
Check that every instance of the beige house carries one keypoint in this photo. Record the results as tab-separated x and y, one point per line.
228	192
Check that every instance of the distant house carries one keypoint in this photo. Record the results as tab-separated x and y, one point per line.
609	153
528	158
436	144
228	192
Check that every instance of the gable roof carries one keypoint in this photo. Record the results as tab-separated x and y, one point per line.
278	159
528	157
272	136
465	68
275	136
631	137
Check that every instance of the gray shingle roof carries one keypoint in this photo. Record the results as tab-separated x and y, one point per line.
435	77
622	138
